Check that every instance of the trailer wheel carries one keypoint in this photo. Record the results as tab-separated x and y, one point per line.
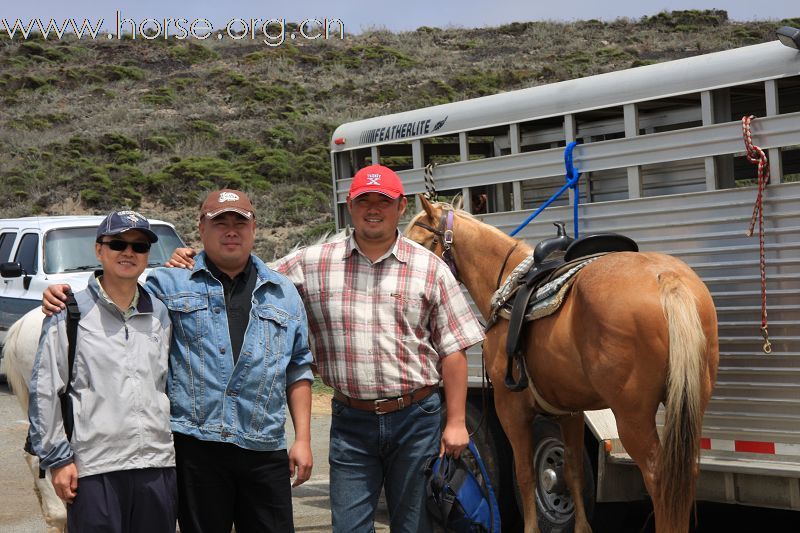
555	506
497	457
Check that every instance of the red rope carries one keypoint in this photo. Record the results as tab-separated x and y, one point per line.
757	156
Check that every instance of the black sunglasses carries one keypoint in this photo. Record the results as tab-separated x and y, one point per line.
119	245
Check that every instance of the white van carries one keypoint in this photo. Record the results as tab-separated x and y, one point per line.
38	251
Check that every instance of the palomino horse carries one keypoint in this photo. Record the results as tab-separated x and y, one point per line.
22	340
635	330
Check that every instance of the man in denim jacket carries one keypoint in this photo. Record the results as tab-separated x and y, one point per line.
239	355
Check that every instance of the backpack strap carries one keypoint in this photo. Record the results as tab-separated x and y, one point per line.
73	317
494	509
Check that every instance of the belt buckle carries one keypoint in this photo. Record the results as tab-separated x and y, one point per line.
378	403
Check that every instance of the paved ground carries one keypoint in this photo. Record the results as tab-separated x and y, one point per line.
19	510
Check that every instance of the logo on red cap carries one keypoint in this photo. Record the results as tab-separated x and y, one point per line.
376	178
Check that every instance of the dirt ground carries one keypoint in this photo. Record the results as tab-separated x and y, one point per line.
321	404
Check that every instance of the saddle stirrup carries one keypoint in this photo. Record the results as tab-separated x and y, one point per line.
519	361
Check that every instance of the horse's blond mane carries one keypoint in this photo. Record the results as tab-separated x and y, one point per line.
442	205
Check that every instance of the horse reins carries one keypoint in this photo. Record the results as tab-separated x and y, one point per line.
503	266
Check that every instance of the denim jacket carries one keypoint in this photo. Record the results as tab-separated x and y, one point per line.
211	398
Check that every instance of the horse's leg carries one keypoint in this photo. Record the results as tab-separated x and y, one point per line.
53	510
638	434
572	432
516	416
516	413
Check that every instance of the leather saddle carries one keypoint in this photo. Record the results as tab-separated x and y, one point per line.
551	258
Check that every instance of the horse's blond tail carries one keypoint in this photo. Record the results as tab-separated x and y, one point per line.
680	448
14	373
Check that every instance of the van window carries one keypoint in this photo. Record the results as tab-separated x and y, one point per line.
72	249
6	242
28	253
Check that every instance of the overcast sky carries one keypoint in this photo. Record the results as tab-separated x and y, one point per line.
395	15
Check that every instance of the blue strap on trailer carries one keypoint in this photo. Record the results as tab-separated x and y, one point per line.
572	177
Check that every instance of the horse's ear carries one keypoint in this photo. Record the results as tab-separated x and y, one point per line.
426	205
458	202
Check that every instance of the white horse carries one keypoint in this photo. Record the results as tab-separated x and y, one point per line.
19	351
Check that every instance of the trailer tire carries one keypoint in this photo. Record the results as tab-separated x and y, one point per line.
555	507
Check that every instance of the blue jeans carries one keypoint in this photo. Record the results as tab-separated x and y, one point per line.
368	450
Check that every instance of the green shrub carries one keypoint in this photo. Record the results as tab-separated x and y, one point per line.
158	143
275	164
192	53
83	75
160	96
304	200
202	126
480	83
240	146
180	181
37	82
279	136
120	72
515	28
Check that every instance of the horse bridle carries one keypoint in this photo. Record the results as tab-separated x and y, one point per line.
444	232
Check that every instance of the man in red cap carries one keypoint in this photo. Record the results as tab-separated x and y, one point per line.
388	322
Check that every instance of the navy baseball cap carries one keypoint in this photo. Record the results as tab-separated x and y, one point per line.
122	221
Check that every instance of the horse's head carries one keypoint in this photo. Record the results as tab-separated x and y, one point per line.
433	228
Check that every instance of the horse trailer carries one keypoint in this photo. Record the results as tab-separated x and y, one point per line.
663	161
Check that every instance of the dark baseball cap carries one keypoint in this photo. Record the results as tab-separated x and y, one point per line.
122	221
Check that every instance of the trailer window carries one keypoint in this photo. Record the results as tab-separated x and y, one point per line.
789	95
396	156
441	150
542	134
790	159
600	125
488	142
670	114
748	99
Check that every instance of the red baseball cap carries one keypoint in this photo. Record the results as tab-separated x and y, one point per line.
376	178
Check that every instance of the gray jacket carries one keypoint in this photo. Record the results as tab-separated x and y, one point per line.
120	407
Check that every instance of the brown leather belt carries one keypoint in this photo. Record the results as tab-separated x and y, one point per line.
383	406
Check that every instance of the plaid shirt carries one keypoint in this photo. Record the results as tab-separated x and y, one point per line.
380	329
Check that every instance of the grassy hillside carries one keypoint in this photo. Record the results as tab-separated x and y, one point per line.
90	125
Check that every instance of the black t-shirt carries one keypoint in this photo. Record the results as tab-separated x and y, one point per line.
238	301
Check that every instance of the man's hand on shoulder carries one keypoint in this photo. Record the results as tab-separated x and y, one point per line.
54	298
182	258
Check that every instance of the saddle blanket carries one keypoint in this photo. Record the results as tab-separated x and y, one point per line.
545	300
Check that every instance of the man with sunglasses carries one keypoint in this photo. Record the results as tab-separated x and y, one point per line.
239	357
117	473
